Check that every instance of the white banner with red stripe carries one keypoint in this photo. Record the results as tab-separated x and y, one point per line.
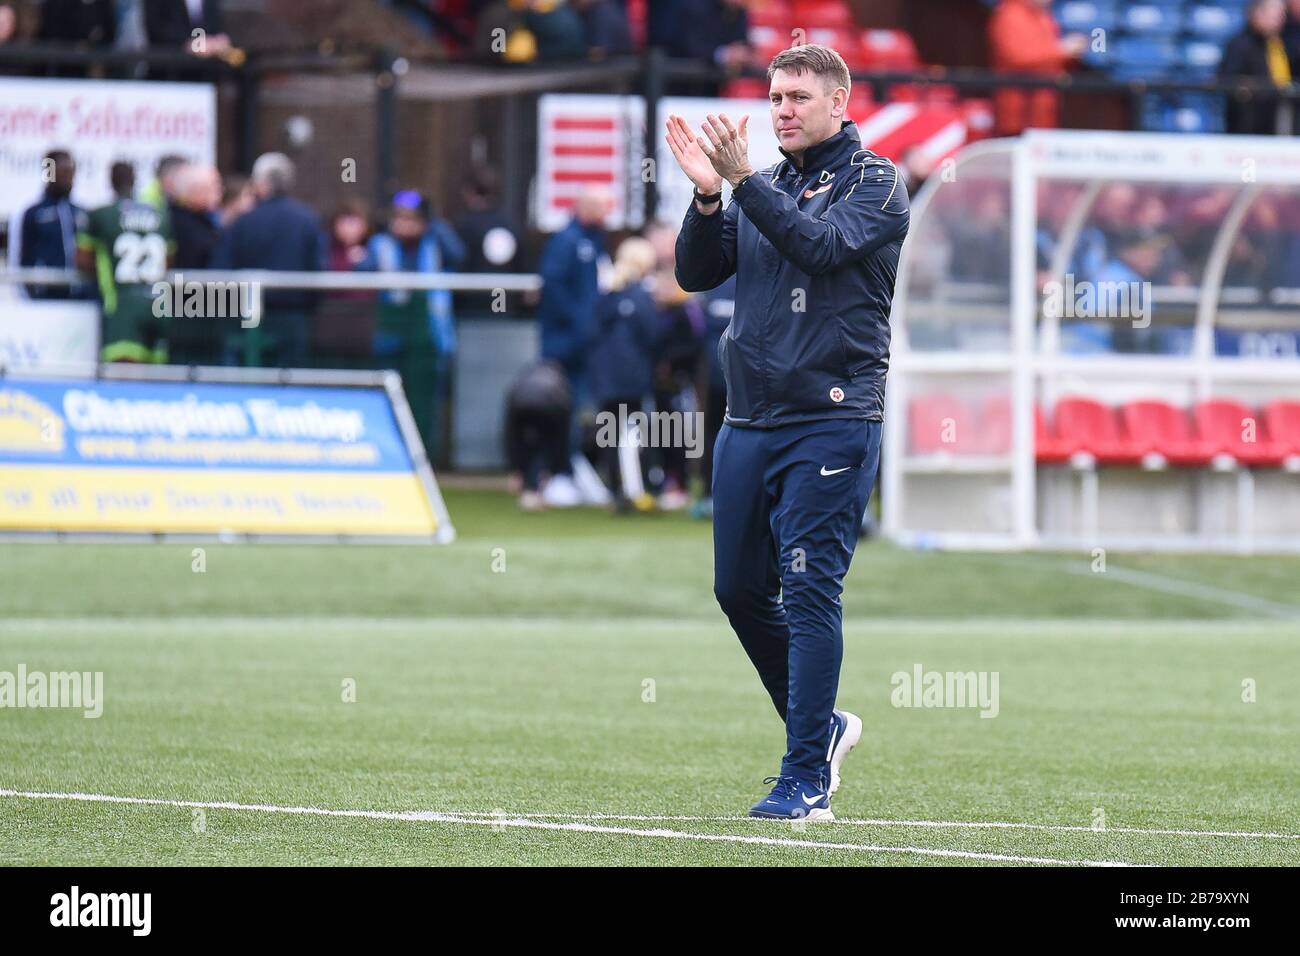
598	140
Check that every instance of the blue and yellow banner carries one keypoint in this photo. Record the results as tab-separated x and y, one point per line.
185	457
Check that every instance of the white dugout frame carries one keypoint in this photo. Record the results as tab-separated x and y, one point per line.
1033	363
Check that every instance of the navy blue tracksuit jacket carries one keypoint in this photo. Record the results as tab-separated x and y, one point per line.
814	246
829	234
569	290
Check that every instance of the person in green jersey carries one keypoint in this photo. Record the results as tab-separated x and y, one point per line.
127	244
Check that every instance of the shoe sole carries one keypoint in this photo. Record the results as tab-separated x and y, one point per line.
846	743
814	816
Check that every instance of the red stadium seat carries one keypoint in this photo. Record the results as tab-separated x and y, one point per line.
940	423
1231	429
1282	421
771	13
995	428
842	40
1090	428
861	103
1048	448
888	50
822	13
767	42
746	88
1158	430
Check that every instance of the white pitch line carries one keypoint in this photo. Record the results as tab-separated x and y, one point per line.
1181	587
429	816
934	824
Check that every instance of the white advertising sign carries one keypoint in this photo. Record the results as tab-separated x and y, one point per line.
1163	157
100	122
41	335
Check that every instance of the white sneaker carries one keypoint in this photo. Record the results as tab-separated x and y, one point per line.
846	731
561	492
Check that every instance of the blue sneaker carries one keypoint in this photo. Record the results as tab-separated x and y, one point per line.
846	731
793	799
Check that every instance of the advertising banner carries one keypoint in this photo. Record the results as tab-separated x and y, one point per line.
153	457
99	122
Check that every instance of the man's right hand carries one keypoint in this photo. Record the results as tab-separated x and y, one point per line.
693	161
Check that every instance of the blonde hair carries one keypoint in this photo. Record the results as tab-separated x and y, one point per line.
633	261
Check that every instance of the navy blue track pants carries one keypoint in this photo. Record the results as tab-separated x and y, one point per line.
787	505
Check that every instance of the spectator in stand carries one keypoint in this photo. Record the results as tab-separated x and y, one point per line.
8	23
172	23
621	359
448	20
415	330
343	333
1024	38
503	35
196	340
47	231
608	32
162	190
1291	35
1151	219
349	230
1258	52
490	236
661	22
193	213
981	237
280	234
1111	225
712	31
1259	251
237	198
557	28
83	22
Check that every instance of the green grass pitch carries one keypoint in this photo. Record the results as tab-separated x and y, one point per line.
537	713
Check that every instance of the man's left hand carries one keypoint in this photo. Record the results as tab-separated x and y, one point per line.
727	147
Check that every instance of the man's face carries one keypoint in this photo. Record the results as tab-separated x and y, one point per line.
407	224
804	111
203	190
1269	17
65	172
593	207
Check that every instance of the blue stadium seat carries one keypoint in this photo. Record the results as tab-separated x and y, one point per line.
1181	113
1143	57
1152	19
1214	21
1201	57
1084	16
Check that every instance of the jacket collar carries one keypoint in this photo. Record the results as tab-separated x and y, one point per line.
828	151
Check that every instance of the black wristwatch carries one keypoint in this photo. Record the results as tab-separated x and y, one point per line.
706	200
